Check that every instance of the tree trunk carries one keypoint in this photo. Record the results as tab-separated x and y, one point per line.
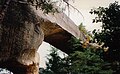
20	37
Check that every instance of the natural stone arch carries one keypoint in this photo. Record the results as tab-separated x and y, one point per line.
22	31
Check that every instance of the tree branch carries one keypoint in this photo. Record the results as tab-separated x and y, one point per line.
66	1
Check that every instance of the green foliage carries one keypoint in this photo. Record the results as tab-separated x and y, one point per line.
55	59
74	45
82	28
55	64
45	71
45	5
110	33
86	61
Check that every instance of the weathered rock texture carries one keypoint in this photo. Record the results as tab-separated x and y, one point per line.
20	37
58	29
56	36
22	32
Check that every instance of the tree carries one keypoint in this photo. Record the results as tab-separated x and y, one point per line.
56	64
88	62
110	33
74	45
82	28
82	61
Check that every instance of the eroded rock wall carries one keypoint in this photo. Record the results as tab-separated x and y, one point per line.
20	37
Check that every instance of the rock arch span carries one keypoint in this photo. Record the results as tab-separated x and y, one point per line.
22	31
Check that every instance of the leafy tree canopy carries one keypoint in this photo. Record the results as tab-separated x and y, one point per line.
110	33
47	6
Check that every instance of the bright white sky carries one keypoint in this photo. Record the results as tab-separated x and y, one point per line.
84	6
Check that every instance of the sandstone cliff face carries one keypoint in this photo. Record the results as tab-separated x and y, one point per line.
22	31
55	35
20	37
58	29
62	20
